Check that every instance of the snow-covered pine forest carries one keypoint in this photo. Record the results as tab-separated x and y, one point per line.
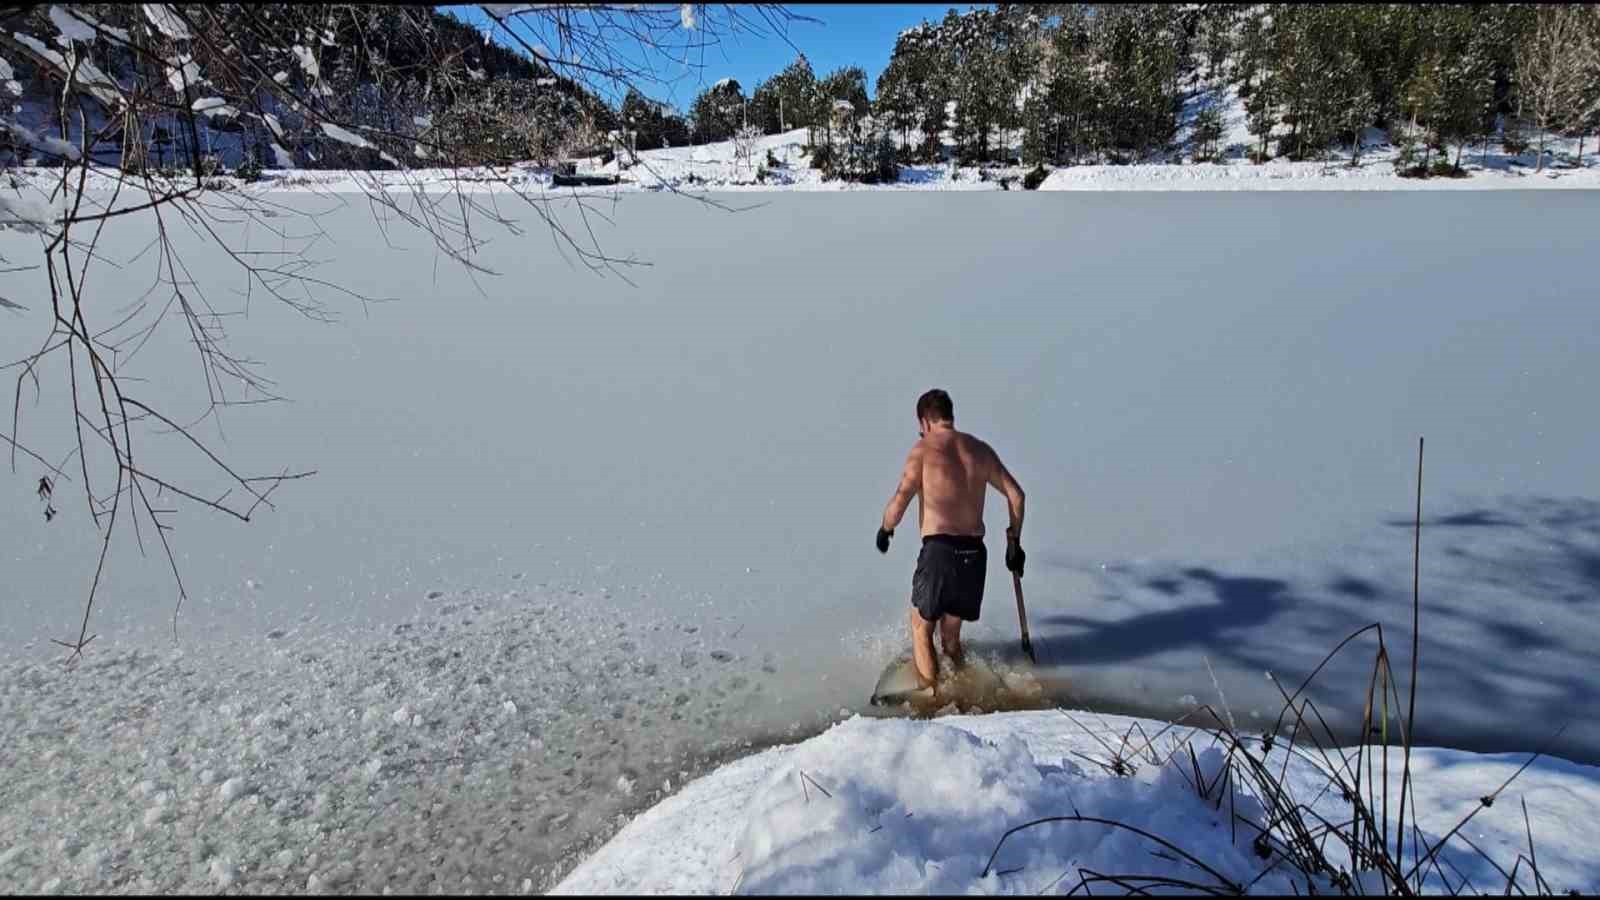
1055	85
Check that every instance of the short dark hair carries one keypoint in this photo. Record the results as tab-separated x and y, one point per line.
935	406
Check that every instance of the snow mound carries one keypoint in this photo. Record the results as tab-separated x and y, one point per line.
907	807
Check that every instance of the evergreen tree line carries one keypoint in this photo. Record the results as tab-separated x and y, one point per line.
1054	84
1070	83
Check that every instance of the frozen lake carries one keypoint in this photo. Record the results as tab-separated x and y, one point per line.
1213	403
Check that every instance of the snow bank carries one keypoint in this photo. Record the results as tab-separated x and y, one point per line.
900	806
1282	175
917	808
717	167
28	213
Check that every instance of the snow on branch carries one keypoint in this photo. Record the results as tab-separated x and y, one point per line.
45	142
167	21
344	136
81	71
308	61
71	27
183	70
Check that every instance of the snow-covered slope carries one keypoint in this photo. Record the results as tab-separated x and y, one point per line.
898	806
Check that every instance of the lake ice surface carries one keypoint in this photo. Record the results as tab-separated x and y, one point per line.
1212	401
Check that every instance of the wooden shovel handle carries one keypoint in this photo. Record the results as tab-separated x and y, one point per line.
1022	617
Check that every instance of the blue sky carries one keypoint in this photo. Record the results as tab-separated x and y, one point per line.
845	34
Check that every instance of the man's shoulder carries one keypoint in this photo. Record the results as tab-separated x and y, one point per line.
972	440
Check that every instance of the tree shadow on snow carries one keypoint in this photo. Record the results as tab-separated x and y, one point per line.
1510	593
1240	603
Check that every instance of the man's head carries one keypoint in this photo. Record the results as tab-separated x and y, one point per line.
934	407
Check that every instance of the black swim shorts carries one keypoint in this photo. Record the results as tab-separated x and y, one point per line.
949	577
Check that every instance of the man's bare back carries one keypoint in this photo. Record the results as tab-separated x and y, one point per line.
948	471
954	469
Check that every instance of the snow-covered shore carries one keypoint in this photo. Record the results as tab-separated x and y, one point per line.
902	806
718	168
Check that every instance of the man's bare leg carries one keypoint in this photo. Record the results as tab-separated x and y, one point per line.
922	650
950	637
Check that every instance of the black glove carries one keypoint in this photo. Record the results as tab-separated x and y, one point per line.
1015	557
883	539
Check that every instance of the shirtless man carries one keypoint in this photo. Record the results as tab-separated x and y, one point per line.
949	470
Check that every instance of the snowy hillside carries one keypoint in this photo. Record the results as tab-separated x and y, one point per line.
719	167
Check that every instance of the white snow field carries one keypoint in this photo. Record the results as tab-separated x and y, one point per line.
1212	401
913	807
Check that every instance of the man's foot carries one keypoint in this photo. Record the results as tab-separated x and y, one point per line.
927	690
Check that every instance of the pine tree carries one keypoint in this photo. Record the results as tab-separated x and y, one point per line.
717	112
1421	103
896	102
1215	40
843	95
1072	95
1207	132
643	117
1465	108
1586	107
1259	83
1551	62
1355	107
763	110
917	86
1021	35
786	100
